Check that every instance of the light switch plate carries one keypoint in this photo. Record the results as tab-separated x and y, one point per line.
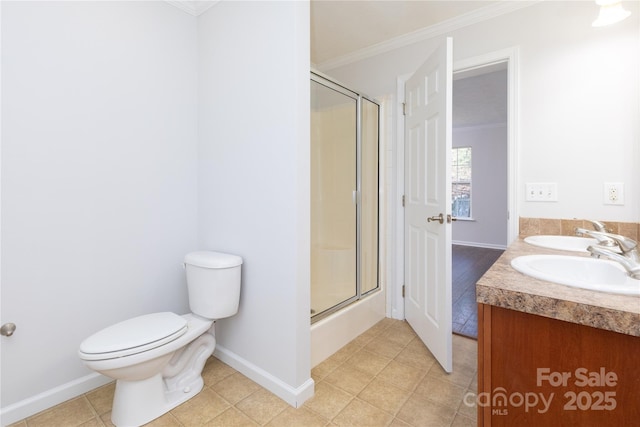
541	192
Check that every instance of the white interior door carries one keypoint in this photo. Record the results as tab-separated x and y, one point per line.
427	240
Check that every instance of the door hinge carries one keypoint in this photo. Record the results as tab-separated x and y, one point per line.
403	200
404	108
402	291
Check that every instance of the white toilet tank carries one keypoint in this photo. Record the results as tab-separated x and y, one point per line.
213	281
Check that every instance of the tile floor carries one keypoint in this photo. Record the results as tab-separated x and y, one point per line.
384	377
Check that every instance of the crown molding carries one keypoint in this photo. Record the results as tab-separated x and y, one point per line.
193	7
442	28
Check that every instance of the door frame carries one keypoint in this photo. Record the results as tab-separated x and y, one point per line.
395	300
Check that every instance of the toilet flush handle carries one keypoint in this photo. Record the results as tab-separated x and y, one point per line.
8	329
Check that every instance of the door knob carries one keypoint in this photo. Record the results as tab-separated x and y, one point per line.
439	218
7	329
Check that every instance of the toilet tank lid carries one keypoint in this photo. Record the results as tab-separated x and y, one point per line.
208	259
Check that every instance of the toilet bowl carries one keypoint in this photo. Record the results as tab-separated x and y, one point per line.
157	359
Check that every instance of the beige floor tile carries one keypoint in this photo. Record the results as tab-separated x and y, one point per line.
166	420
441	392
345	352
324	368
383	325
350	380
385	371
399	423
22	423
71	413
201	408
384	347
419	358
292	417
462	421
468	406
419	412
106	419
235	387
93	422
360	413
465	359
232	418
262	406
102	398
399	335
464	344
363	339
474	383
215	370
328	400
462	375
385	396
416	345
369	334
367	362
403	376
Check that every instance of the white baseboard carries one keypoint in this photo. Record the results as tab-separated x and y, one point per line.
480	245
294	396
45	400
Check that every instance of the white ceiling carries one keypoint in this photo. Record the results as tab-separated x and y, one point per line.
341	27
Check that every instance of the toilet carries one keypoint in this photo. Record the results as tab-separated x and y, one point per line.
157	359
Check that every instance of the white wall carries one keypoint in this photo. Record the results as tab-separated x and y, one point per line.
488	189
99	181
578	100
254	182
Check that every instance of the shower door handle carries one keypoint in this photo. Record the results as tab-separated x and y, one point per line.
356	197
439	218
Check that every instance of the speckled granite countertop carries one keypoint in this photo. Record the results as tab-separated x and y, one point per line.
502	286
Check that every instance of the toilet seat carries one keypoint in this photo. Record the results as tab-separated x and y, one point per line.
133	336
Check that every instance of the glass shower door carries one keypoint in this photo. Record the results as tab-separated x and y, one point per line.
333	197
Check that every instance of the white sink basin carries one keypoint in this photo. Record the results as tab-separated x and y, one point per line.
580	272
563	243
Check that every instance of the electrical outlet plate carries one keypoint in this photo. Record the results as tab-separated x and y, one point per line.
613	193
541	192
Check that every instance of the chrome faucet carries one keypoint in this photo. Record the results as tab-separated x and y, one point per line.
598	226
629	258
603	238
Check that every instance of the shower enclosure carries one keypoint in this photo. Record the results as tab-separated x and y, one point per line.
344	196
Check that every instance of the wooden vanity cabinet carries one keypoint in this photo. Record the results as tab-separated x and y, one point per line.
538	371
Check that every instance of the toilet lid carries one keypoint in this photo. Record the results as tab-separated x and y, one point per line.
133	336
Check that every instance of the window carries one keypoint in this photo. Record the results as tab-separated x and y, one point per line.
461	182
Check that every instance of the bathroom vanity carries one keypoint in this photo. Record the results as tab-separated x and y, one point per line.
554	355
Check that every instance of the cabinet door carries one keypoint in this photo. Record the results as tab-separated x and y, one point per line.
534	371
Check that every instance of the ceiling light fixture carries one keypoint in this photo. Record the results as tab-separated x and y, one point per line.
611	11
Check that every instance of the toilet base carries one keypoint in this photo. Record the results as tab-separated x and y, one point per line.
138	402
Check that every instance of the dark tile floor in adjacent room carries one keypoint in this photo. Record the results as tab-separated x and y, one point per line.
469	264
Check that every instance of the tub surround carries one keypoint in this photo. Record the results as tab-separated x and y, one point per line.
502	286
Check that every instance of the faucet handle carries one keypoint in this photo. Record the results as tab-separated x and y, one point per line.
626	244
602	237
598	226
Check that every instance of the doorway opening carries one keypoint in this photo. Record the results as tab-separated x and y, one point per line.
480	179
